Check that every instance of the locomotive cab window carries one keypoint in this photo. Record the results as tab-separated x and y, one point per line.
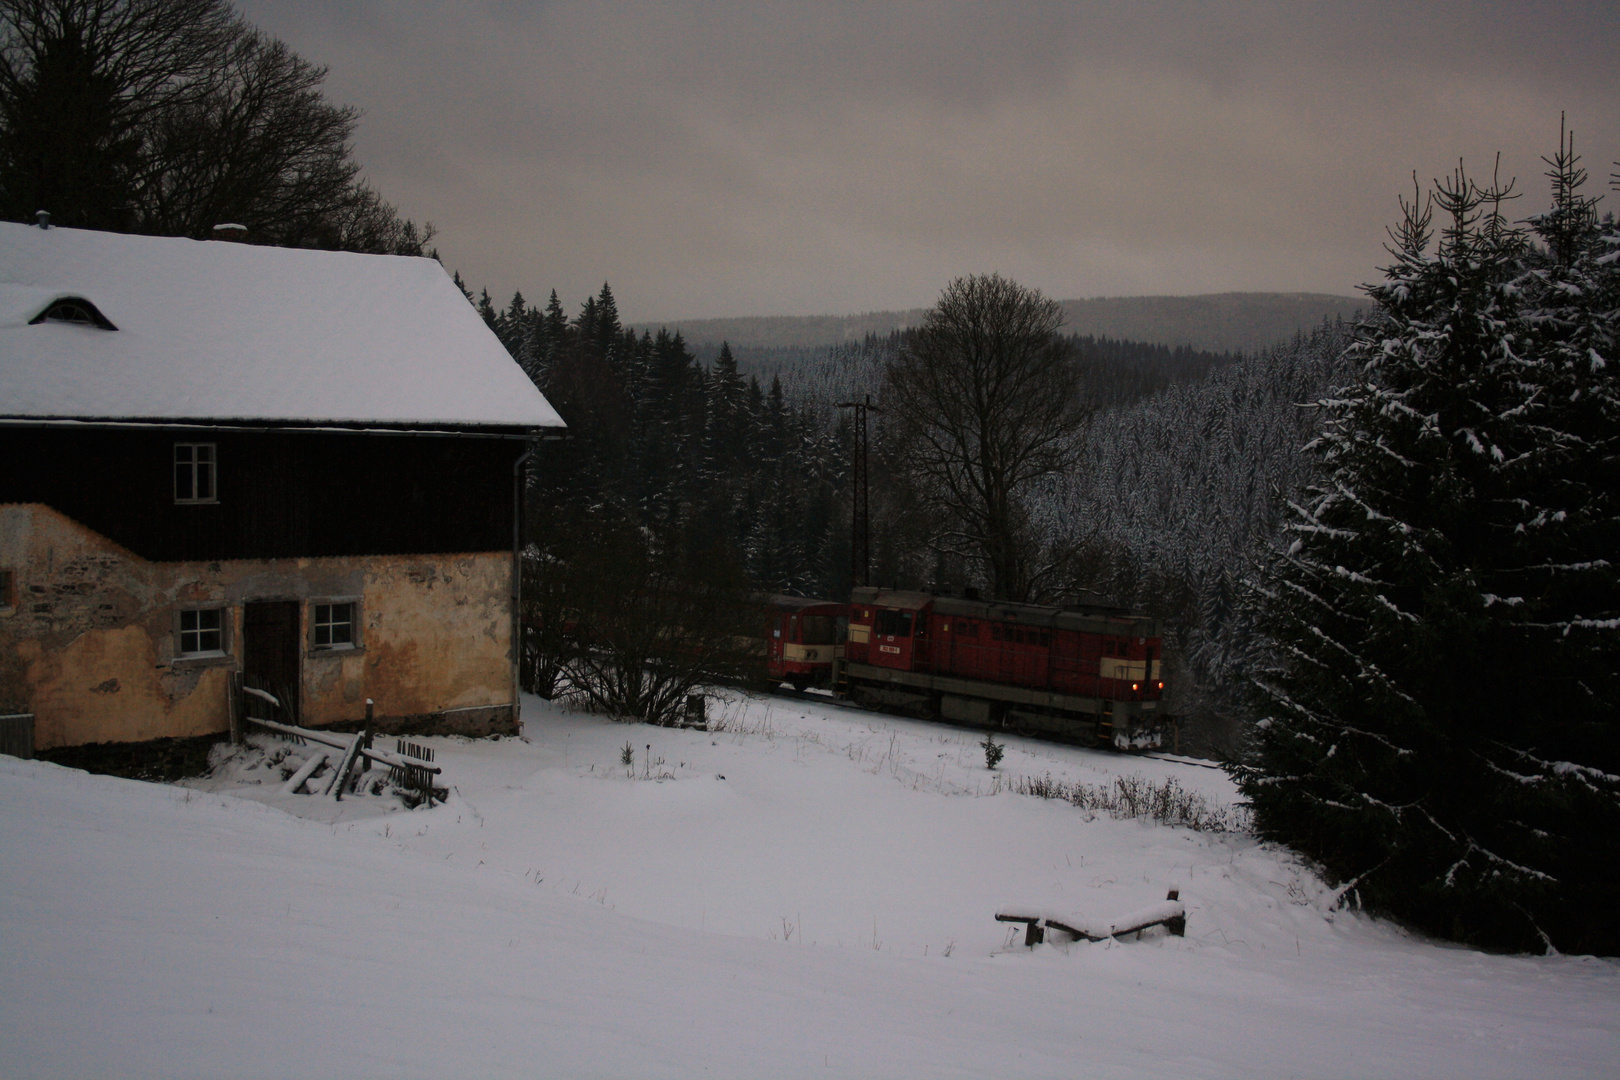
894	623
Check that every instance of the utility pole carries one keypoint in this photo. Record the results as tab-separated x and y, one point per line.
860	515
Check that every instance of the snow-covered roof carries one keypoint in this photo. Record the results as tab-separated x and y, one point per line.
213	331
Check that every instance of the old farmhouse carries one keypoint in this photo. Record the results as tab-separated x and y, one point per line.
217	458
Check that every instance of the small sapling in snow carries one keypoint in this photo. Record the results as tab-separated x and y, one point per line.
992	750
627	755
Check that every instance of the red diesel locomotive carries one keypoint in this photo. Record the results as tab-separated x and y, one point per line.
1075	673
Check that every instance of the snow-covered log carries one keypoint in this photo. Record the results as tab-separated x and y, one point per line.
307	770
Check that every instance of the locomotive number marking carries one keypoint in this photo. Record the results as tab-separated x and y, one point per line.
889	648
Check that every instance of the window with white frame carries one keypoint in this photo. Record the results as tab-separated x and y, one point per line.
194	473
334	625
202	632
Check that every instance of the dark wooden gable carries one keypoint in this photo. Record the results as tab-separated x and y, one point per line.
281	494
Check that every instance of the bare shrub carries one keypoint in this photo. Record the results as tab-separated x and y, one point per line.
1135	796
630	622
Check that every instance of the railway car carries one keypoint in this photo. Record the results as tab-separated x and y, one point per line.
803	639
1081	673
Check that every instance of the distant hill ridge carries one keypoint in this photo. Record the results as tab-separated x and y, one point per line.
1218	322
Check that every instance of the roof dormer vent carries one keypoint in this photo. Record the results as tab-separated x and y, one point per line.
234	232
73	309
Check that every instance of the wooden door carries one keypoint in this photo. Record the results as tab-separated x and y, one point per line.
270	651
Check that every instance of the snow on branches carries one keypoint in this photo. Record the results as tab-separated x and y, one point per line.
1441	679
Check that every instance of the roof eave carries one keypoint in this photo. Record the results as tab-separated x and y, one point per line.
351	427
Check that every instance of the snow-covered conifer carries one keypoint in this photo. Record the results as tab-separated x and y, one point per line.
1438	711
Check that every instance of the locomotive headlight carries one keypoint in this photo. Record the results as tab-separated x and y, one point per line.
1161	686
1136	686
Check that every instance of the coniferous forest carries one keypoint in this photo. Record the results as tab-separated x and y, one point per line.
759	468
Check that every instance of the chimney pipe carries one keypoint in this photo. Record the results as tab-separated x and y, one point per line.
43	217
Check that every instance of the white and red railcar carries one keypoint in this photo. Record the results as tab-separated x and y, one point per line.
803	638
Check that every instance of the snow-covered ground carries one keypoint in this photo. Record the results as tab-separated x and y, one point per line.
809	894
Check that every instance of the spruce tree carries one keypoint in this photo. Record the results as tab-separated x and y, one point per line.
554	330
1438	704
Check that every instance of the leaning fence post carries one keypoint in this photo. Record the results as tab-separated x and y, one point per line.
234	705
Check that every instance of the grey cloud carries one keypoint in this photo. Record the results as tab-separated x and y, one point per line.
752	158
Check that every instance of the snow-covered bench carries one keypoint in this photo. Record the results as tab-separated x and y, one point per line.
1169	913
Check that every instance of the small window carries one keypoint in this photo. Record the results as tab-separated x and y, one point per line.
334	626
194	473
8	585
202	632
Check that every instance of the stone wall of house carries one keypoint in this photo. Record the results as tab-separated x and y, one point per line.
90	643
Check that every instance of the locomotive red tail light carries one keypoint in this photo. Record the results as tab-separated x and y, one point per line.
1136	686
1161	686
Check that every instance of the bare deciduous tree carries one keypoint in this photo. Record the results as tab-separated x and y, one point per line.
171	117
985	402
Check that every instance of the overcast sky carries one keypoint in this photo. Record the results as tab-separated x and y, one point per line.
750	158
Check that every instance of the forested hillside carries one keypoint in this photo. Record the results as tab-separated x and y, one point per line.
1218	322
1184	459
1180	492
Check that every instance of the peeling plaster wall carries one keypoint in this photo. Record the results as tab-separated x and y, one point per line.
89	647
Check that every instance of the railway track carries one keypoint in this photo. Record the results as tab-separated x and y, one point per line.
824	698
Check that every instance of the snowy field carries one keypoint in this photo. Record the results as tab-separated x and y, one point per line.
808	894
